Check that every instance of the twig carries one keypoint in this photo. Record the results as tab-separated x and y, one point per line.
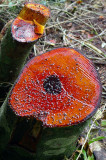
7	5
96	117
96	58
97	13
89	45
94	48
101	34
55	24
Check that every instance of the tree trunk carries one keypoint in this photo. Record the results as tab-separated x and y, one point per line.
56	143
7	123
53	143
12	57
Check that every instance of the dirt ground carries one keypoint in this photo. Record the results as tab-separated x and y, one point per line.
79	24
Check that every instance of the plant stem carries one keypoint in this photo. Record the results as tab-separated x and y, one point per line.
12	57
7	123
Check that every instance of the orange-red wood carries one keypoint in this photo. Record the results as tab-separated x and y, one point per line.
80	88
29	25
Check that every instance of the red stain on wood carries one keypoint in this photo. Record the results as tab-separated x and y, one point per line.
60	88
29	25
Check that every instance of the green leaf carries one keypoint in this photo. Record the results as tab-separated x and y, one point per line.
91	157
103	123
62	1
96	123
44	2
10	4
84	154
96	139
103	129
91	40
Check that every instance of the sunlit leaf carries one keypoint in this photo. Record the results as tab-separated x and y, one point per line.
103	123
96	139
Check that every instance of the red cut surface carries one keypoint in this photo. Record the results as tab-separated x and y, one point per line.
80	88
24	31
24	28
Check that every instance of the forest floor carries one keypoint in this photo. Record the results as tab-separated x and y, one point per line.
79	24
